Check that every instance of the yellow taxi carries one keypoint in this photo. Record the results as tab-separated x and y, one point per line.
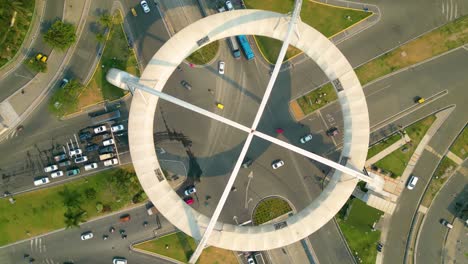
220	106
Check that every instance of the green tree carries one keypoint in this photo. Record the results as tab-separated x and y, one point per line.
100	37
65	100
90	193
106	20
35	65
73	217
71	198
61	35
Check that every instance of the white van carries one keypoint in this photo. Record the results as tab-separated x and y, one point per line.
412	182
41	180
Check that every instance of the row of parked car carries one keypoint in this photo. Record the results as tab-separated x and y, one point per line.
76	154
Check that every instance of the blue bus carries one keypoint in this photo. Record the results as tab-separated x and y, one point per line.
244	43
234	47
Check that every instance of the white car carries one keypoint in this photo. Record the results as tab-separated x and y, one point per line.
87	235
117	128
100	129
277	164
81	159
90	166
41	181
306	138
250	260
108	142
111	162
51	168
221	67
412	182
75	152
119	260
229	5
56	174
189	190
145	6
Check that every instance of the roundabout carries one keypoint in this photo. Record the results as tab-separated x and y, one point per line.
159	69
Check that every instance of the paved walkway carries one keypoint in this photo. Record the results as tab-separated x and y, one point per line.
28	40
454	157
440	119
19	105
388	150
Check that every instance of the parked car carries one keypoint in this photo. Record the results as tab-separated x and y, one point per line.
306	138
229	5
446	223
85	135
64	163
56	174
332	132
75	152
186	85
90	166
100	129
41	180
277	164
111	162
41	57
412	182
189	200
250	260
145	6
81	159
247	162
73	172
221	65
51	168
92	147
60	157
87	235
108	142
117	128
189	190
107	149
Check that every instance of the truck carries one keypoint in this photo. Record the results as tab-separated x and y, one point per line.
106	156
232	43
244	43
106	117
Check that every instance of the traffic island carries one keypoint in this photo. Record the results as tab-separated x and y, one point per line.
178	246
270	208
204	55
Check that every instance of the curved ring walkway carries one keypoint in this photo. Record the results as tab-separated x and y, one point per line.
330	60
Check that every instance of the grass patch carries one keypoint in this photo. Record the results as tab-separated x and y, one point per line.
116	54
181	247
377	148
326	19
460	146
64	100
357	229
205	54
42	211
269	209
317	98
12	36
450	36
445	168
396	162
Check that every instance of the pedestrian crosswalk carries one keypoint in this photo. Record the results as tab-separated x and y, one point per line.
450	9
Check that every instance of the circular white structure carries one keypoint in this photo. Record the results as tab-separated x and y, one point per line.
330	60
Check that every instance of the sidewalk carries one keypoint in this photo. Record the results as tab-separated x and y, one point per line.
19	105
28	40
388	150
440	119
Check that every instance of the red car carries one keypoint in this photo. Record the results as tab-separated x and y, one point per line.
189	200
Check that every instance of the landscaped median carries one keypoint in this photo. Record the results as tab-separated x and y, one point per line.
460	146
269	209
204	55
444	170
180	247
116	54
450	36
396	162
45	210
327	19
356	220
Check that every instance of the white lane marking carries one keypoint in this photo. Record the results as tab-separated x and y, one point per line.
443	9
381	89
40	245
456	11
451	10
447	8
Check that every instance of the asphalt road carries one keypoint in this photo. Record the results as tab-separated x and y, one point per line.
21	75
66	245
432	232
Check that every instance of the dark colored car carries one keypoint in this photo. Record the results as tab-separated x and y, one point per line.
73	172
332	132
85	135
92	147
247	162
64	163
108	149
60	157
186	85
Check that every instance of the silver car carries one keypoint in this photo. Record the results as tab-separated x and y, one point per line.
277	164
145	6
